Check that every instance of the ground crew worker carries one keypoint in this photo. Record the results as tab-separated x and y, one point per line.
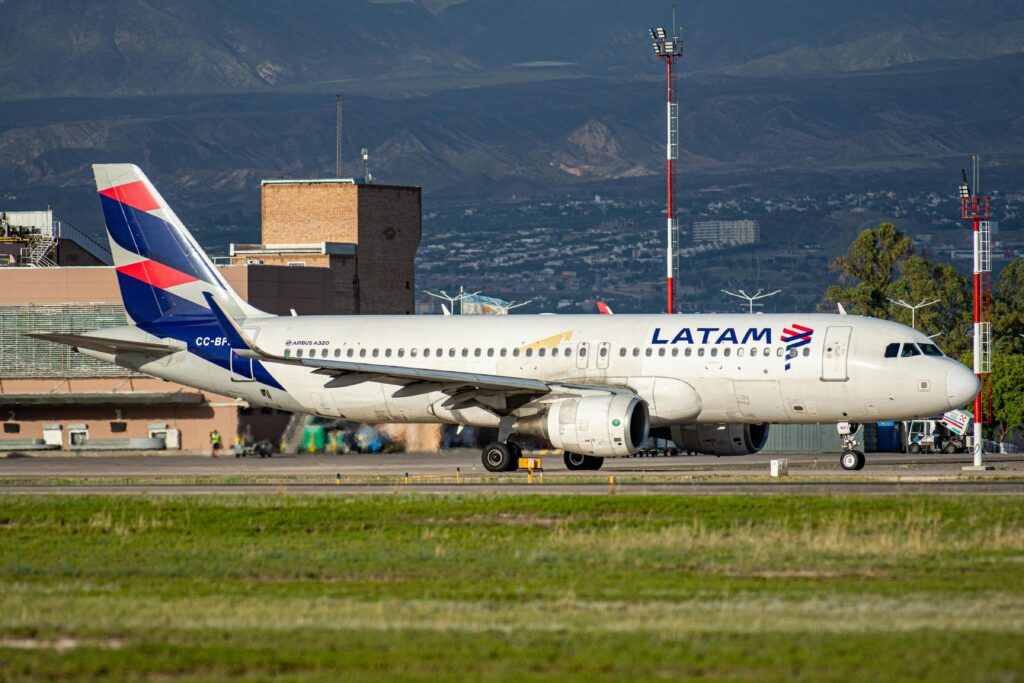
215	442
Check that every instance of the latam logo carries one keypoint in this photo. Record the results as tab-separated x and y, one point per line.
714	335
794	337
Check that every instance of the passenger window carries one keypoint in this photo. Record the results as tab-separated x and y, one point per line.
892	350
337	353
689	351
376	352
909	350
700	351
779	351
465	353
930	349
323	353
287	353
362	353
298	353
412	352
661	351
490	353
350	352
515	353
622	352
426	353
451	353
603	352
568	352
583	351
648	352
554	351
504	352
739	352
807	352
387	353
440	352
675	351
401	353
476	353
636	352
541	352
714	351
529	353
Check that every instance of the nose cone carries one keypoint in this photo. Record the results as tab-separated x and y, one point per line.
961	386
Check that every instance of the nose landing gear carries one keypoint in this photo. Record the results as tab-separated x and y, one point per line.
851	459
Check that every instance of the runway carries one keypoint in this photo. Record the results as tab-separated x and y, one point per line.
460	471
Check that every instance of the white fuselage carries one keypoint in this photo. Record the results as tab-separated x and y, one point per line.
688	368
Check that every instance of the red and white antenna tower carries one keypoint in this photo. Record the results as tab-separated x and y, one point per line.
977	212
669	49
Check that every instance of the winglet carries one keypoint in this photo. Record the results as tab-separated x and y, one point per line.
842	311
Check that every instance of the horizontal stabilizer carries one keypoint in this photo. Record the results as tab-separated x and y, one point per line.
104	344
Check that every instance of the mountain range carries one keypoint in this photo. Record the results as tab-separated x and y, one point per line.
490	98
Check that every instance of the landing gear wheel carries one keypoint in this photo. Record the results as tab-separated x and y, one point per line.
578	461
497	457
852	460
517	452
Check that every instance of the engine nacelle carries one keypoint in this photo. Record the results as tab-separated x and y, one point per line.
604	426
718	439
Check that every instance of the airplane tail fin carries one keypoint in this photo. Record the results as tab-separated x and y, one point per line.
162	271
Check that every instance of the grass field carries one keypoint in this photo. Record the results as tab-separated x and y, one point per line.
469	587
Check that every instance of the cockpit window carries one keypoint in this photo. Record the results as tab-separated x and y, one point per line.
930	349
910	350
892	350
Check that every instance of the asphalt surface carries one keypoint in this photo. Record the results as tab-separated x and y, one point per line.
461	471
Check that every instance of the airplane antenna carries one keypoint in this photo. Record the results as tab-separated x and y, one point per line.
913	308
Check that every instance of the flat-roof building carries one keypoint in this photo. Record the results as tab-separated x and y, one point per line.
735	232
326	247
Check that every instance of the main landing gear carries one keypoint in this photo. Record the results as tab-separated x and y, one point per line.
501	456
578	461
851	459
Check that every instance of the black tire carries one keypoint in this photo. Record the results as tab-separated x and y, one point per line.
949	448
517	452
852	460
497	457
578	461
914	448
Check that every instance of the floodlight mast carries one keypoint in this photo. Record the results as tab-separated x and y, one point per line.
913	308
669	49
741	294
977	211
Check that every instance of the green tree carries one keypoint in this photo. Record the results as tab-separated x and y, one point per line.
950	320
881	265
1008	309
1007	380
868	269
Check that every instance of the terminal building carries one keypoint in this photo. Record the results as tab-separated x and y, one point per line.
327	246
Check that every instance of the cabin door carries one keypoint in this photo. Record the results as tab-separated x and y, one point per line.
834	354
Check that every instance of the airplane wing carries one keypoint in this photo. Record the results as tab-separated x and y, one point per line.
103	344
347	373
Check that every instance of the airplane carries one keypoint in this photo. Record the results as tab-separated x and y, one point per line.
595	386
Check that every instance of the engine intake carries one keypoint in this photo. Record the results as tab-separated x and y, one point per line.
719	439
604	426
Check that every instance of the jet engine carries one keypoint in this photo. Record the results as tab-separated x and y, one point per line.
717	439
603	426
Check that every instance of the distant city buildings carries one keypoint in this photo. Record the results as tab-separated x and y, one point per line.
736	232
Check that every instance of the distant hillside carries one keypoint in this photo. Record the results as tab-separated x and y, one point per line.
127	47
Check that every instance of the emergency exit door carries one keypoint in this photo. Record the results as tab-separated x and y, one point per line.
835	353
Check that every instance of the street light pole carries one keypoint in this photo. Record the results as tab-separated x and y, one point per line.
913	309
740	294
